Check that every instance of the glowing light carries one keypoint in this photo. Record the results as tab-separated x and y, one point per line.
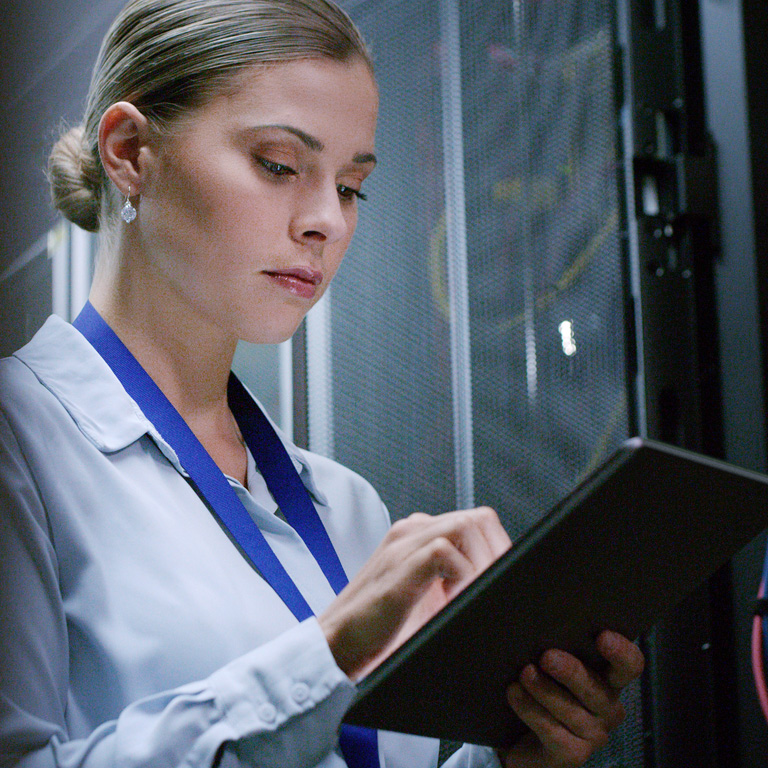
567	338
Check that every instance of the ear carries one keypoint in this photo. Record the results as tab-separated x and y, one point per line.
123	146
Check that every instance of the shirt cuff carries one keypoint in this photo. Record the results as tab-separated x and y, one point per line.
473	756
284	701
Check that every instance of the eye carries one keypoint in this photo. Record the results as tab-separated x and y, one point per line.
276	169
348	193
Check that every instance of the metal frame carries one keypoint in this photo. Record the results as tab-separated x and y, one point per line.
456	245
319	378
671	238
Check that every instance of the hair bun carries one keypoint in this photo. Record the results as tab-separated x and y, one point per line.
75	178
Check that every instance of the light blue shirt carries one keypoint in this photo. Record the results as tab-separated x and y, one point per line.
133	634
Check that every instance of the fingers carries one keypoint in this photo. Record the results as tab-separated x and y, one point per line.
439	558
454	547
490	528
565	733
393	592
594	692
476	533
564	696
552	741
624	657
571	709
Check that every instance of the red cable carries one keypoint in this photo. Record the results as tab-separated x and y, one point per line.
758	669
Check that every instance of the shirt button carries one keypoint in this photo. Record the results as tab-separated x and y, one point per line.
300	692
267	713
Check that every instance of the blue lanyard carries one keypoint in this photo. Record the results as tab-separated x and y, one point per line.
359	745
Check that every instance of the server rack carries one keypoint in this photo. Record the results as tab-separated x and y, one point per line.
689	694
532	282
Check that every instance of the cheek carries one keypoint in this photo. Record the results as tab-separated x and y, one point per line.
351	227
332	260
218	213
201	190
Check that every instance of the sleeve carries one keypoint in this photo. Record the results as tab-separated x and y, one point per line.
279	706
473	756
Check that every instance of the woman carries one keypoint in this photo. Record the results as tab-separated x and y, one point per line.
221	157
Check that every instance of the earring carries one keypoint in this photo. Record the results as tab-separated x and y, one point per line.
128	212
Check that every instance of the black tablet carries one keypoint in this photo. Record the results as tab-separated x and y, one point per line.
630	542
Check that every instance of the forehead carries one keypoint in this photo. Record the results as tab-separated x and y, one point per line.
315	95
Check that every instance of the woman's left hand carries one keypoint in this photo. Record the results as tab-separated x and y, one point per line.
569	708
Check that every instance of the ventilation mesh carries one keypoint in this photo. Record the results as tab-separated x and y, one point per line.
543	248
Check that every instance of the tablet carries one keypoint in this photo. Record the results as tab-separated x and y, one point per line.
628	544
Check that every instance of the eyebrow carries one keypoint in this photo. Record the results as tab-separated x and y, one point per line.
315	144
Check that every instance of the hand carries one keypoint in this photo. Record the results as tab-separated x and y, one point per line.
423	562
569	708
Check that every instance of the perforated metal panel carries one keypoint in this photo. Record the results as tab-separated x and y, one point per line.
391	342
546	290
477	336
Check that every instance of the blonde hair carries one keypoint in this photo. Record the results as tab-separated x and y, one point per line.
168	57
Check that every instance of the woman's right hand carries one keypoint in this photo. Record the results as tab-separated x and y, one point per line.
422	563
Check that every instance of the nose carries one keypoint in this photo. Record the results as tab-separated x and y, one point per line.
319	216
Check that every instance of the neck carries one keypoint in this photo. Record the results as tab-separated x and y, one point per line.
186	355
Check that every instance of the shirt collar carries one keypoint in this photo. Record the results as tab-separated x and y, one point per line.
71	369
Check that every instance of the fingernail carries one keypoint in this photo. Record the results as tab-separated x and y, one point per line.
529	674
609	642
553	661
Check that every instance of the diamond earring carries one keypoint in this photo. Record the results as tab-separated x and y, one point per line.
128	212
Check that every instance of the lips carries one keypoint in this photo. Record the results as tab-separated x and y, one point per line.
300	281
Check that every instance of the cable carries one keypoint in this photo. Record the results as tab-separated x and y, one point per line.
759	638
